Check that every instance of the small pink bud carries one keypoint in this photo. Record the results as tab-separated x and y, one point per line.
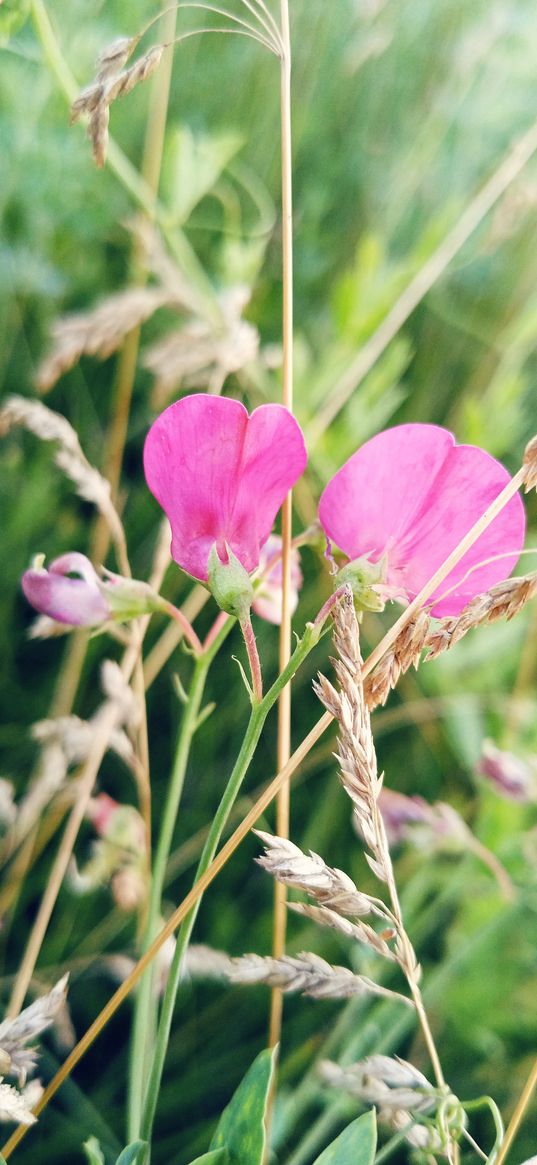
100	811
78	601
268	595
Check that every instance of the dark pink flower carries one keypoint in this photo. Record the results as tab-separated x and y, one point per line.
408	496
221	476
268	596
78	601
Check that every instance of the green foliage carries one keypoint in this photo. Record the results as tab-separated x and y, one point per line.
241	1128
213	1157
13	16
356	1145
130	1153
93	1152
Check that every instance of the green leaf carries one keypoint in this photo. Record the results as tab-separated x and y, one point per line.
356	1145
213	1157
13	14
241	1128
93	1151
130	1153
193	164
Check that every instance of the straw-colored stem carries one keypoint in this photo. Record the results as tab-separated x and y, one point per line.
518	1115
284	703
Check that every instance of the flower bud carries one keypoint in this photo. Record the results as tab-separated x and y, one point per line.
230	583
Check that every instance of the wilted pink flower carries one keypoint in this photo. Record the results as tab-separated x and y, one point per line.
407	497
268	597
221	476
511	777
78	601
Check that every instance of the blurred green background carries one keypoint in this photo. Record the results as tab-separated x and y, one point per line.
401	112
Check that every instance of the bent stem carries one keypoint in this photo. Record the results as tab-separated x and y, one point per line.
258	716
144	1000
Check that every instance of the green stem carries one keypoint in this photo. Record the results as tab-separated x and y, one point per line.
487	1102
255	725
145	995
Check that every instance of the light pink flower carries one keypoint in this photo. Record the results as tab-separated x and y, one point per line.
221	476
411	494
268	597
77	601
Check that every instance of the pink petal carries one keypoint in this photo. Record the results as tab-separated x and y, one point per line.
268	598
412	493
469	480
221	476
76	601
377	495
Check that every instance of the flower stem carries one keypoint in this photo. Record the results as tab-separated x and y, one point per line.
253	659
144	999
255	725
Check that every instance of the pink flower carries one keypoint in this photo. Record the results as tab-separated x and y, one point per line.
268	596
221	476
512	777
77	601
408	496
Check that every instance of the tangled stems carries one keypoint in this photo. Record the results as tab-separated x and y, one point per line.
257	719
144	998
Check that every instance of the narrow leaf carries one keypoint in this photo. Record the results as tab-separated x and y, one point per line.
130	1153
241	1128
213	1157
356	1145
93	1151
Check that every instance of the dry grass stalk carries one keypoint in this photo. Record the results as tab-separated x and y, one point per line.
307	973
98	332
503	601
90	484
530	465
111	82
360	779
328	886
359	931
35	1019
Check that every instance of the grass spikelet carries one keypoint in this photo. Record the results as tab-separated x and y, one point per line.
98	332
307	973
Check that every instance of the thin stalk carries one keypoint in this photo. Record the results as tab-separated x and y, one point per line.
284	703
518	1115
144	1000
253	659
257	719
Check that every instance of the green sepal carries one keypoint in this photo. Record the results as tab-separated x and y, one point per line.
230	583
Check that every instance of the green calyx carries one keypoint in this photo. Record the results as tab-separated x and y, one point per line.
230	584
363	578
